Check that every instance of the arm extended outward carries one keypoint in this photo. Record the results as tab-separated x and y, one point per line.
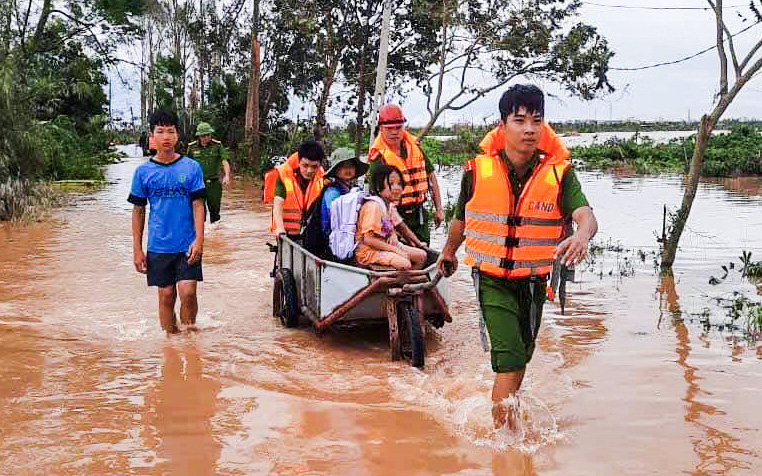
573	249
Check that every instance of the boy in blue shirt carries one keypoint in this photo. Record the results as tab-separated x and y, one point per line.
173	185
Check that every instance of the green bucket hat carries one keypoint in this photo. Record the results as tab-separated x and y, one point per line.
204	128
345	154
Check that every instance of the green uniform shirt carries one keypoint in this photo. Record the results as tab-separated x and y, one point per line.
210	157
572	196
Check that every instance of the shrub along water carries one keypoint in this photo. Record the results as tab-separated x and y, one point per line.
738	152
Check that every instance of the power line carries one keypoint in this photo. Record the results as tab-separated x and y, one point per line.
650	66
658	8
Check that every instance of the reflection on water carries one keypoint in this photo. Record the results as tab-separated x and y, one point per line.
718	451
177	418
90	385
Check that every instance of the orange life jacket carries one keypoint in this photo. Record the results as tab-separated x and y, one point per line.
510	239
413	168
550	142
268	185
297	202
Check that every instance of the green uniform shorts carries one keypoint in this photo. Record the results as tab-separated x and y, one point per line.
417	219
213	198
506	307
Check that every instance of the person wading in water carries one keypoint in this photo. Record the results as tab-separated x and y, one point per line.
174	187
511	213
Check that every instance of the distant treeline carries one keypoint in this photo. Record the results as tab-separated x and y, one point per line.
644	126
602	126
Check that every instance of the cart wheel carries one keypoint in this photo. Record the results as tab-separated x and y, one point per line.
410	334
284	298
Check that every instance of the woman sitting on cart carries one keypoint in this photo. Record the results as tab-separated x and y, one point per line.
345	168
377	241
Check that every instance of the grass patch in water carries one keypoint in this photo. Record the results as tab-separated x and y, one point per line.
24	199
741	312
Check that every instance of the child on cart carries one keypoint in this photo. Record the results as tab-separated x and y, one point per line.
377	241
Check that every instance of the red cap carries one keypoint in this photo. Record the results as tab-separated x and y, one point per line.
390	114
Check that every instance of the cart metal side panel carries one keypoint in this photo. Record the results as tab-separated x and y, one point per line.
310	284
337	285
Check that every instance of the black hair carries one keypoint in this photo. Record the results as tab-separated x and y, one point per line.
312	150
164	117
380	178
527	95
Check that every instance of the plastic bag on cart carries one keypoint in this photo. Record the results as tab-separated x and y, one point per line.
344	211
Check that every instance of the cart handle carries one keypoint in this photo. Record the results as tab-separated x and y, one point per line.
411	288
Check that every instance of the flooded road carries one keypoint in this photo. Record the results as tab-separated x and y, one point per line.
628	381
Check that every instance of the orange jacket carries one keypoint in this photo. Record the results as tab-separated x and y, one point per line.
296	203
413	168
268	185
550	142
511	240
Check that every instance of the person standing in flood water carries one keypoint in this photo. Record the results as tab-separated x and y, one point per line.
394	145
511	213
173	185
213	157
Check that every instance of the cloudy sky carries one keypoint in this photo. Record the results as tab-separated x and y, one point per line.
641	33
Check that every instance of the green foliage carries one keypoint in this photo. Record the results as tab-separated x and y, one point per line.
449	152
643	155
70	155
737	152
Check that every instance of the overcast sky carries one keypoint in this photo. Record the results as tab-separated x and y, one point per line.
639	37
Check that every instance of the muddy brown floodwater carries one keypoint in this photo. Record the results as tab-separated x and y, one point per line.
627	382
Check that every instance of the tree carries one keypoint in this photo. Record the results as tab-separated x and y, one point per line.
743	69
413	40
484	45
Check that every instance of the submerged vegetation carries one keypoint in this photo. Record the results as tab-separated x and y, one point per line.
738	152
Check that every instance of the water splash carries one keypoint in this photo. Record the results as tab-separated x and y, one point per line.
463	405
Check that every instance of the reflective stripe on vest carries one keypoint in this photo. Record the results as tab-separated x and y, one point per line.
296	202
512	239
413	168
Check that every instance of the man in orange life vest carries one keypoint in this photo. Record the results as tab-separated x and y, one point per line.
514	202
394	145
300	180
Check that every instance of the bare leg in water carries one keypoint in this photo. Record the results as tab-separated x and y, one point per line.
506	385
167	298
188	303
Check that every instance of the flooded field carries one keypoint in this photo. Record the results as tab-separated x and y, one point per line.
636	378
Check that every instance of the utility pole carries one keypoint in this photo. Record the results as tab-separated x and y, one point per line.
252	106
378	95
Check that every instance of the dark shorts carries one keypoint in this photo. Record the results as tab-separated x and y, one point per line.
166	269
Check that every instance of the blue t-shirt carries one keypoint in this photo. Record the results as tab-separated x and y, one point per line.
169	189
